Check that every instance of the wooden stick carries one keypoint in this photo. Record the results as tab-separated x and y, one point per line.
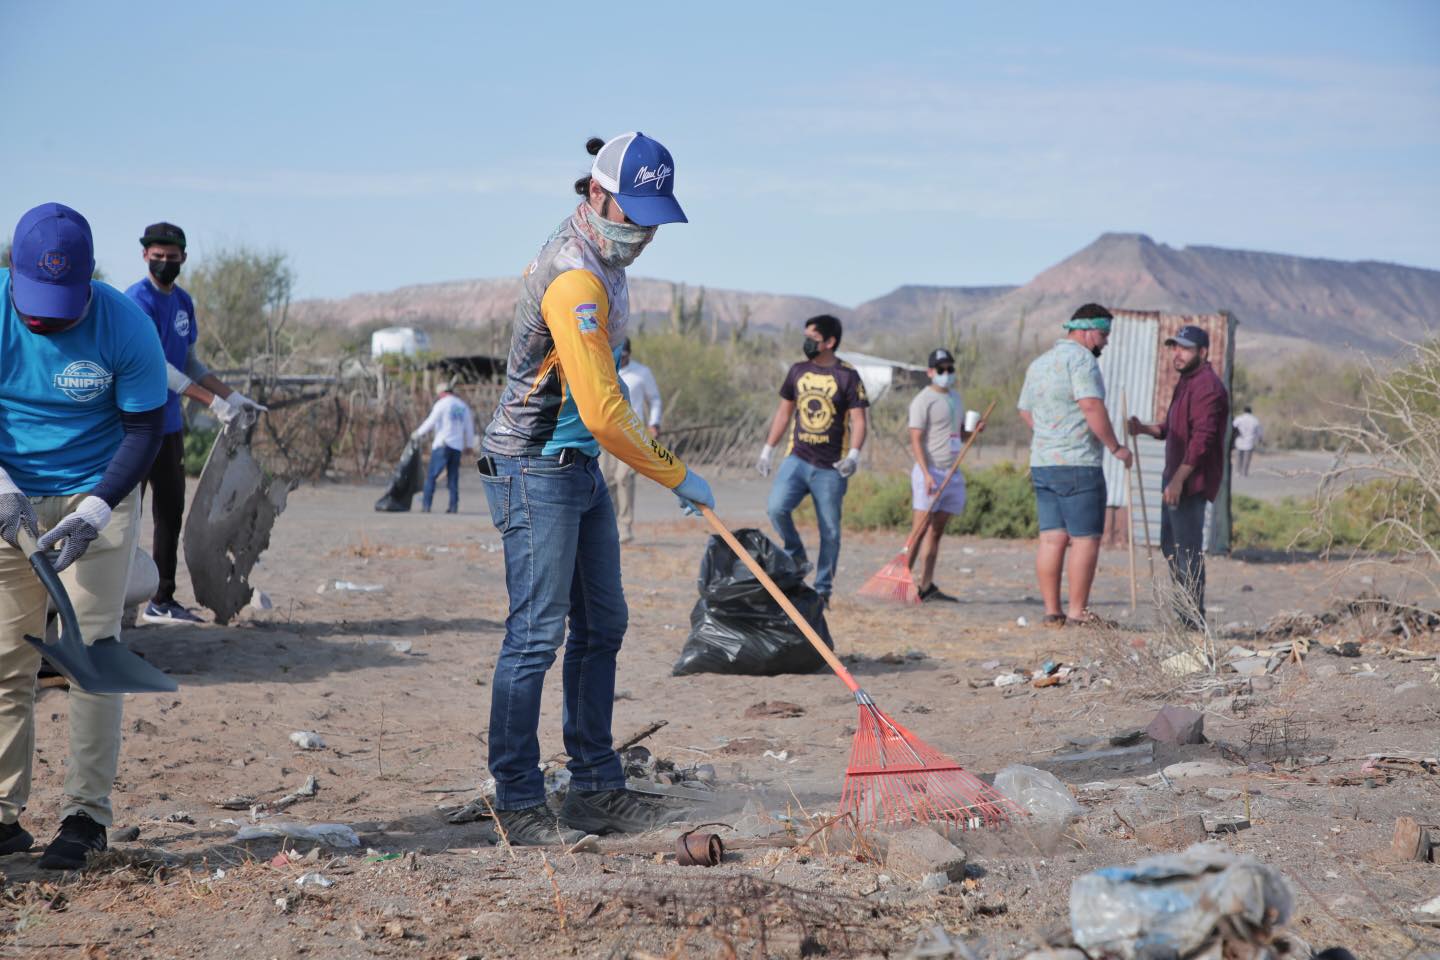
1129	503
1144	513
800	622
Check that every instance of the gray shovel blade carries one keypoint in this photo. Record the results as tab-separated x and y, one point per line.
105	666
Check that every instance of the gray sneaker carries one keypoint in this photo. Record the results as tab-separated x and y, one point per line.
532	827
615	811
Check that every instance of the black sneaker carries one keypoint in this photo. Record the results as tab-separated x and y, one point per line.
614	811
532	827
933	594
14	839
79	837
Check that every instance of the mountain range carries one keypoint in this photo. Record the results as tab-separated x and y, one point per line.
1282	302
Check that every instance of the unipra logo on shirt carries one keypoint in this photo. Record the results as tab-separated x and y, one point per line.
84	380
182	323
585	316
658	176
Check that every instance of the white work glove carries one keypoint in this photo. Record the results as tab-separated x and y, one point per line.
15	512
763	464
847	467
224	410
78	530
238	399
417	436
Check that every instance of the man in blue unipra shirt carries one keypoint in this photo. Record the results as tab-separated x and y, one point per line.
82	406
173	312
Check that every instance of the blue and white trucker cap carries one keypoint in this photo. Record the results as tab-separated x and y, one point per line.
640	174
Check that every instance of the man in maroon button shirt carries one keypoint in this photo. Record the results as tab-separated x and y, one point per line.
1194	435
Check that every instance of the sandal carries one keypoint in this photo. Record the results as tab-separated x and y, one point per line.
1054	621
1089	618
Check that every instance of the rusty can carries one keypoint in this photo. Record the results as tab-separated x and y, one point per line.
699	849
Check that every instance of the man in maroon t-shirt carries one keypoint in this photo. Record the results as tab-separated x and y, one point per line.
1194	435
826	399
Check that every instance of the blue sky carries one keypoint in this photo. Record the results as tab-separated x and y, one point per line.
830	149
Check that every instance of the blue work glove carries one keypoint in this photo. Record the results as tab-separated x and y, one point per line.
693	491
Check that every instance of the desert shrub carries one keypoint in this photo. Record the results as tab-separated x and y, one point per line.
197	448
999	502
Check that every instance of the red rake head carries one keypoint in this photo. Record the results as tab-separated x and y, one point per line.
896	777
893	583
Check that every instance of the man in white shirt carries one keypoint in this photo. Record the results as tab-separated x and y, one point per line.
619	475
1248	435
454	427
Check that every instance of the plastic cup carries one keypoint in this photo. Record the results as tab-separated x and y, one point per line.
972	420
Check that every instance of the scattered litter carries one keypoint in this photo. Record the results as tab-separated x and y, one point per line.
590	843
347	585
694	849
1010	679
331	834
260	600
1428	912
313	879
1021	622
308	790
179	817
307	740
783	756
1185	663
126	835
237	802
1175	905
1227	824
1347	649
1038	792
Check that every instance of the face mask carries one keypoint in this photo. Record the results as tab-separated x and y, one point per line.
164	271
620	243
943	380
811	348
1096	350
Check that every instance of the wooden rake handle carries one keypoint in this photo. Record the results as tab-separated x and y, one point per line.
935	500
795	616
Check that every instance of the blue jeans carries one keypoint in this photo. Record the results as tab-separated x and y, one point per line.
826	488
562	558
447	459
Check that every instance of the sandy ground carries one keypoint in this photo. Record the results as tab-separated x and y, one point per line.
396	681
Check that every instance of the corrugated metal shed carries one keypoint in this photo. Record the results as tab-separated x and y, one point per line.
1136	370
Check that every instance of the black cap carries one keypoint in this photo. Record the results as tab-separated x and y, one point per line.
940	356
163	233
1189	336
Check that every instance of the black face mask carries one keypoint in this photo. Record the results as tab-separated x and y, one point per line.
1096	350
164	271
811	348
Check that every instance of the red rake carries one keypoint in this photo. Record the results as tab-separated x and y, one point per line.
894	776
895	582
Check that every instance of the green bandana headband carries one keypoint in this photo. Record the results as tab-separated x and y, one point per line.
1089	323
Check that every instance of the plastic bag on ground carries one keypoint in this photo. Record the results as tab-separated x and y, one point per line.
1037	792
1175	903
736	627
406	481
332	834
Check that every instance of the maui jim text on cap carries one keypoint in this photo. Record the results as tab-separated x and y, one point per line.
640	174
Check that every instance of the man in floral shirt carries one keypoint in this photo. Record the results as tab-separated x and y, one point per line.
1063	403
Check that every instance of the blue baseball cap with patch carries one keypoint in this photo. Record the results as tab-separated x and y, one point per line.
52	258
1189	336
640	174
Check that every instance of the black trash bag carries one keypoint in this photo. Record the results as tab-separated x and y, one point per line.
737	627
405	482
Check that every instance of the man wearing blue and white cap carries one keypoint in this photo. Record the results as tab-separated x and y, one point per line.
82	403
563	403
1194	435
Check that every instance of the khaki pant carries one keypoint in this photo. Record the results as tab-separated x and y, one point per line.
620	478
96	584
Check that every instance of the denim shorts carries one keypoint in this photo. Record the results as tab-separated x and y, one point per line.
1070	499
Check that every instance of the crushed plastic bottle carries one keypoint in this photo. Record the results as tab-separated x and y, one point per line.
1037	792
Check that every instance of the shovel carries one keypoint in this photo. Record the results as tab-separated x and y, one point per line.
105	666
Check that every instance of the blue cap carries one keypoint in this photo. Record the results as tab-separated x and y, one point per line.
1189	336
640	174
51	261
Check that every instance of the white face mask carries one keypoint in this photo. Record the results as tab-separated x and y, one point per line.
620	243
943	380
